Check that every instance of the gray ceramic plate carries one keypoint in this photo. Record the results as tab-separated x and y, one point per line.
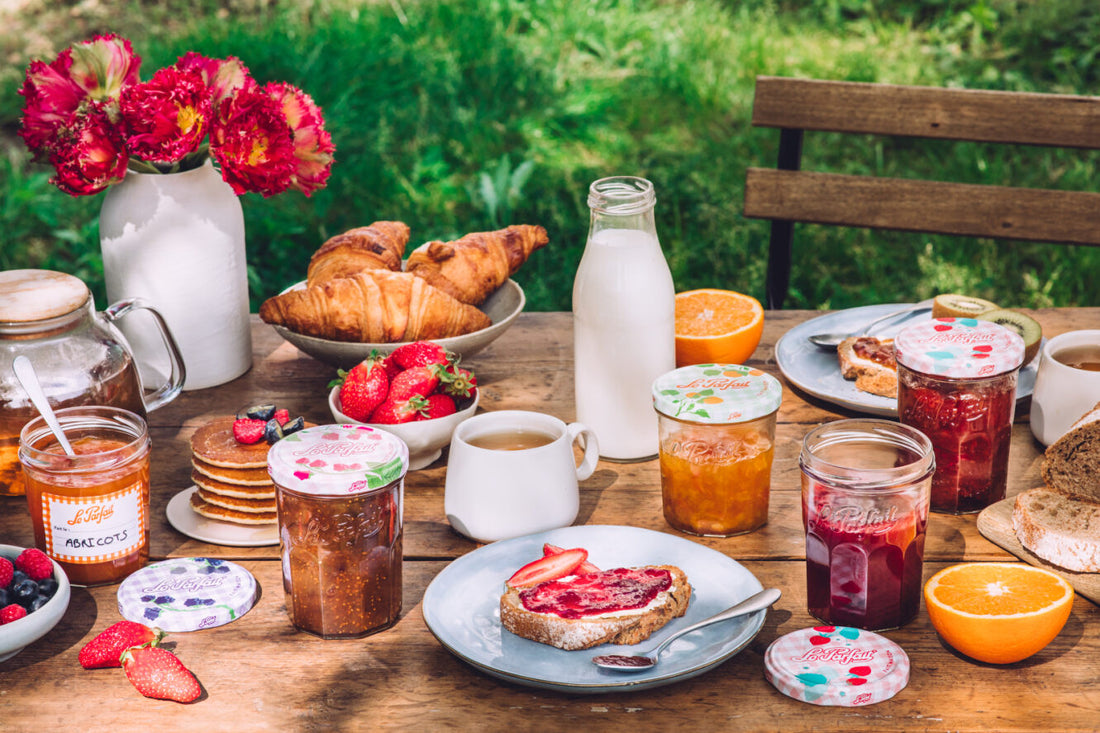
502	307
462	609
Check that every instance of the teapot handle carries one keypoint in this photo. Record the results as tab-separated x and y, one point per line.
167	391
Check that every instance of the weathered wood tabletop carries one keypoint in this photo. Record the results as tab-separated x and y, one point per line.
258	673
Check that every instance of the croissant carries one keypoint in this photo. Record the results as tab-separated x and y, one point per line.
471	268
380	245
374	306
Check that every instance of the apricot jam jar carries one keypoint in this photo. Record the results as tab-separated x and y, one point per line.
716	430
339	491
957	384
90	511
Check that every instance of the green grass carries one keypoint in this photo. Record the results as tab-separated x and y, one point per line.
470	114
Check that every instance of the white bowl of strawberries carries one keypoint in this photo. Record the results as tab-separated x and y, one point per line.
418	392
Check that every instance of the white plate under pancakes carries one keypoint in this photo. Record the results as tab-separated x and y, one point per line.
194	525
462	609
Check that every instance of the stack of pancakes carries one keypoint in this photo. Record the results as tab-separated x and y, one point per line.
232	479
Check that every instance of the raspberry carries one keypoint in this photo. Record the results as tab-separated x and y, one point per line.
6	571
282	415
35	563
12	612
247	430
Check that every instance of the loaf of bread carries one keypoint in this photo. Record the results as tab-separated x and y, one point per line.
870	362
619	627
1061	529
1071	464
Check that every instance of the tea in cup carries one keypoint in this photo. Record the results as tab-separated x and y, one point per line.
1067	384
513	472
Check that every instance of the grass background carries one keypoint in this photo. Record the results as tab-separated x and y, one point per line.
471	114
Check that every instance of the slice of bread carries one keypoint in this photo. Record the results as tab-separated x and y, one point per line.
1071	464
870	362
1061	529
620	627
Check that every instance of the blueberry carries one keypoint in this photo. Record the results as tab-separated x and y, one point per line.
47	587
294	425
5	595
24	592
37	603
257	412
16	578
273	431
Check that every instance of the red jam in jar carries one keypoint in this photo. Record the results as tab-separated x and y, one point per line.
957	384
593	594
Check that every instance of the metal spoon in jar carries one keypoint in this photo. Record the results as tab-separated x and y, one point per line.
832	340
24	372
645	660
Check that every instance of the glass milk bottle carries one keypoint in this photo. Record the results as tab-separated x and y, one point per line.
624	332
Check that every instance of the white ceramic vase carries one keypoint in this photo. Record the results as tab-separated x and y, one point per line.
177	240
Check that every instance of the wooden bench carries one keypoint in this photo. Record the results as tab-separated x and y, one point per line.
787	194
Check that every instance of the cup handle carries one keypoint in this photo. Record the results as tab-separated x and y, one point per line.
167	391
591	448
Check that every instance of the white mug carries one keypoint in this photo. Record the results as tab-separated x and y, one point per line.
1062	393
495	494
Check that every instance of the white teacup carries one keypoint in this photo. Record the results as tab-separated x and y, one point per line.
1063	393
513	472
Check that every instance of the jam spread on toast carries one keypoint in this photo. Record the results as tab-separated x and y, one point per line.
875	350
594	594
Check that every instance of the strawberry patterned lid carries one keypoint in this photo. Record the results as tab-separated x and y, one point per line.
716	393
337	460
187	594
959	348
836	665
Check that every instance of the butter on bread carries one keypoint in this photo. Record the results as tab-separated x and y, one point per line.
619	627
870	362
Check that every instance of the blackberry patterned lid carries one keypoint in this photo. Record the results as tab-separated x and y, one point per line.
836	665
716	393
338	460
187	594
959	348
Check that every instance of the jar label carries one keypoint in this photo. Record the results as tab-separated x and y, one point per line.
94	529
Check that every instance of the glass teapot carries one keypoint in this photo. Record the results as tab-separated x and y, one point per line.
79	356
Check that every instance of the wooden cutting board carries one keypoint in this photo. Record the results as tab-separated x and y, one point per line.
995	524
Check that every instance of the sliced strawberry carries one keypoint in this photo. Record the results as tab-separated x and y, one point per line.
585	568
548	567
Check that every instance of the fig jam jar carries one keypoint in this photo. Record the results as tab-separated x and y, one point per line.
957	384
90	511
339	492
716	430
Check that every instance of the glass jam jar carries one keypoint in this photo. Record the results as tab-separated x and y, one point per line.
716	428
339	492
957	384
90	512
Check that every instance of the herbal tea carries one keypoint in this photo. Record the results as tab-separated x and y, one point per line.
511	440
1085	357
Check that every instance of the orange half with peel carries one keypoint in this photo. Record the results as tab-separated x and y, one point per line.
717	327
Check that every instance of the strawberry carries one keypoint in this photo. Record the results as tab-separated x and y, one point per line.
282	416
35	563
248	430
439	405
419	353
395	412
391	366
156	672
458	382
364	388
12	612
106	648
548	567
414	381
584	568
6	571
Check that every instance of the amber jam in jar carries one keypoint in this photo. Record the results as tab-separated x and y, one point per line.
957	384
339	494
716	429
90	512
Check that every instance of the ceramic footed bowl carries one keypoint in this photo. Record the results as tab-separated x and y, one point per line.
33	626
425	438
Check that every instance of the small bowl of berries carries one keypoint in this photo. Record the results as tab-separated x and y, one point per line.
418	392
34	593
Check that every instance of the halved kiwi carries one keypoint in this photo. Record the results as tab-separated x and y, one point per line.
1028	328
953	305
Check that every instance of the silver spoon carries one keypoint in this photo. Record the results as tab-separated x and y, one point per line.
24	372
645	660
832	340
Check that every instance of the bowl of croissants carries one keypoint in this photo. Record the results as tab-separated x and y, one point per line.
362	294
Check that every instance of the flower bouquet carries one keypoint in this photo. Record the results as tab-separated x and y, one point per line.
88	114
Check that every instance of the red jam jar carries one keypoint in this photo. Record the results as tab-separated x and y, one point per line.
957	384
339	491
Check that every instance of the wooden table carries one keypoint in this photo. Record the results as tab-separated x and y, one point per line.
260	674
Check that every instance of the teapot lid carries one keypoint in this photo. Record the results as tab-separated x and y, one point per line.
35	295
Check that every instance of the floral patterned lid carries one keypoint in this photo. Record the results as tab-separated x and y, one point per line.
959	348
836	665
187	594
337	460
716	393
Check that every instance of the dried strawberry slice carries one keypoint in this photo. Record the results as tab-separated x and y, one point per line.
548	567
585	568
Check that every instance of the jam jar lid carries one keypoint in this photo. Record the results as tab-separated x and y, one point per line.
959	348
35	295
836	665
187	594
716	393
338	460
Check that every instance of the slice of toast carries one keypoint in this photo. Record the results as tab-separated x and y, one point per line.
870	362
1071	464
1063	530
619	627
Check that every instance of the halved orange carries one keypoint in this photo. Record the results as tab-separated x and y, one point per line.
998	612
716	327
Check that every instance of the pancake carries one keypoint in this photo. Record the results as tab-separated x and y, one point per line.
213	443
212	511
238	476
213	486
250	506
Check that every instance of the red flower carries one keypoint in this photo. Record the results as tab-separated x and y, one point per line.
252	143
166	117
90	156
52	100
312	143
223	77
